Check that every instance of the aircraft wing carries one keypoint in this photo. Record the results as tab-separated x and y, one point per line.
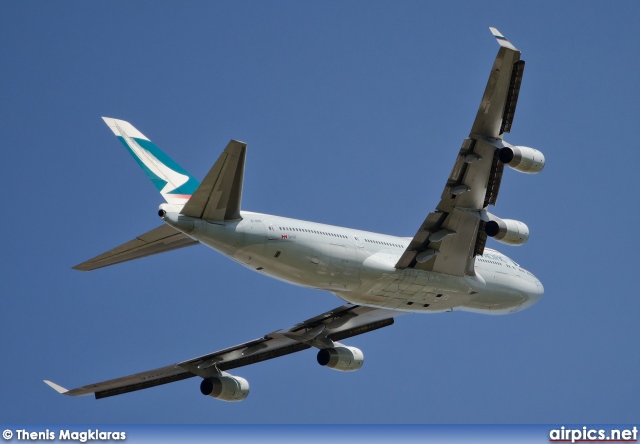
320	331
158	240
452	235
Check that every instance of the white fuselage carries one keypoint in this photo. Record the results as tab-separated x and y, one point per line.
359	266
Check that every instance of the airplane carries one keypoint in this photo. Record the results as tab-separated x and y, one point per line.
444	267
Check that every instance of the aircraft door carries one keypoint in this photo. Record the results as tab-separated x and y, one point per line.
358	241
273	233
343	267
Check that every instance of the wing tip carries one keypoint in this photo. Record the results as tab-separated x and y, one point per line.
82	267
56	387
502	40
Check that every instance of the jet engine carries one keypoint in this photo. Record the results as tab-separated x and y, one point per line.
343	358
522	158
225	387
507	231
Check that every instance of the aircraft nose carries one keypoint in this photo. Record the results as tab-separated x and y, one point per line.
539	288
535	291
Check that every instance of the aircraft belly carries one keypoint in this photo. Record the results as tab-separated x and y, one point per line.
317	265
430	292
365	278
409	290
296	260
293	263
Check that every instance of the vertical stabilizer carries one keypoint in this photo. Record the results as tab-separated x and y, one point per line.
173	182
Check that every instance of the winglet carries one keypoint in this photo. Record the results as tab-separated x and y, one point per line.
502	40
56	387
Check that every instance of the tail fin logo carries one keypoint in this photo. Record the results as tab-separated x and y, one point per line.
173	182
173	179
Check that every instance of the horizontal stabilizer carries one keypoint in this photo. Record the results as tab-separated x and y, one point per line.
158	240
219	195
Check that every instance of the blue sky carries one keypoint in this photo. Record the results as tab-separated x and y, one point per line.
353	113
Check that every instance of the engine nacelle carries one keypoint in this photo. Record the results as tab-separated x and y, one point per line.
507	231
343	358
226	388
522	158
